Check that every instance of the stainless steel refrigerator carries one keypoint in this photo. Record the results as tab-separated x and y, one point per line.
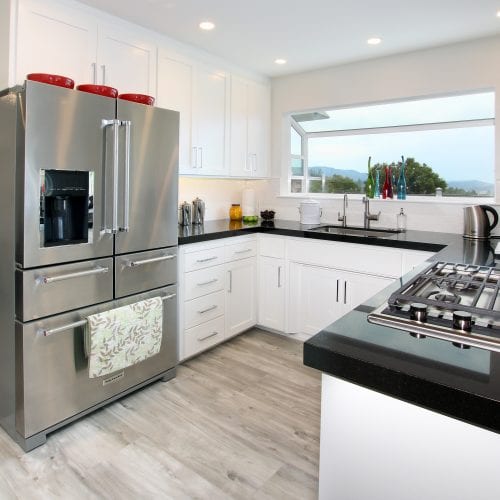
88	214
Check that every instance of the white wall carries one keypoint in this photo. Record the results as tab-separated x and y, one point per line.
453	68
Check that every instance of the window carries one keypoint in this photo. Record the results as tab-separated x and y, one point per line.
447	142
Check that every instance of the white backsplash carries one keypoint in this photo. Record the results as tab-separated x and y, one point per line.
219	194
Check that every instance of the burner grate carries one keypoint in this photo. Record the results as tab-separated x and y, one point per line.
452	286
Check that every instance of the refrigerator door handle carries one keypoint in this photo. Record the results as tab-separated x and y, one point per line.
114	124
68	276
126	194
135	263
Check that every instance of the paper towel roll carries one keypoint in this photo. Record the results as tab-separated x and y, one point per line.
248	205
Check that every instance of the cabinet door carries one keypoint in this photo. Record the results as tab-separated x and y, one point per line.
271	294
57	40
258	98
357	288
126	62
175	91
315	298
211	112
241	310
240	161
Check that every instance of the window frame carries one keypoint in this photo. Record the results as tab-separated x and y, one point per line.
305	136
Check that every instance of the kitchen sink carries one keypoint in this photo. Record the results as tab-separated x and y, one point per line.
356	231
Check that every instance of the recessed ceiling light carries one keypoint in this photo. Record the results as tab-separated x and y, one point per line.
207	25
280	61
373	41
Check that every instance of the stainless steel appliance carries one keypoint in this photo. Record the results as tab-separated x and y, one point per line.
477	225
455	302
89	223
198	211
185	214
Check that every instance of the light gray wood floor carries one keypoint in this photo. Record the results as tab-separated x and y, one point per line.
240	421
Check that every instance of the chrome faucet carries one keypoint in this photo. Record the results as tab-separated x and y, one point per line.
368	216
343	218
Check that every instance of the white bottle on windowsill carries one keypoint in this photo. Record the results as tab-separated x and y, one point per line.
401	221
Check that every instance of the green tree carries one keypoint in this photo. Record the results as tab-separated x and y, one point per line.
341	184
420	178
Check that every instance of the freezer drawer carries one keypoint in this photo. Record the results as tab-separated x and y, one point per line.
52	381
55	289
142	271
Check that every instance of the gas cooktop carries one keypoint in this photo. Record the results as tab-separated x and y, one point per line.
450	301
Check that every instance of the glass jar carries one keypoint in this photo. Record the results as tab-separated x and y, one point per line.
235	212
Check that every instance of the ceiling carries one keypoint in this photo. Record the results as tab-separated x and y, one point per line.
310	34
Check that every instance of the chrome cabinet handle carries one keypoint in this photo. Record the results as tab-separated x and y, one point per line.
115	124
209	282
213	334
46	332
201	157
194	158
254	162
126	195
230	281
203	311
207	259
345	292
135	263
337	299
94	73
279	276
243	251
68	276
103	69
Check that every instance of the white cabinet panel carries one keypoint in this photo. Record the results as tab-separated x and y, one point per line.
125	62
203	336
204	258
241	250
241	308
211	116
52	38
271	293
203	282
175	91
250	116
203	308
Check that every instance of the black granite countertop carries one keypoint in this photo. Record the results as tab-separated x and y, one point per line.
431	373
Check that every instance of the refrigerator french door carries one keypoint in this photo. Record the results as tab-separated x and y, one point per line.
95	225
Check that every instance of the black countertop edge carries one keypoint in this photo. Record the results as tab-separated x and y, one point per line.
410	240
469	408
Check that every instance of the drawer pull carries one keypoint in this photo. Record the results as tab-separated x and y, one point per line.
135	263
211	308
208	259
209	282
213	334
79	274
243	251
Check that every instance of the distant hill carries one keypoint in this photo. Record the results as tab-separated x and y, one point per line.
352	174
478	186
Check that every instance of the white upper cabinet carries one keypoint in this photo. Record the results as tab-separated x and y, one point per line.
52	38
211	116
125	61
175	91
55	38
250	108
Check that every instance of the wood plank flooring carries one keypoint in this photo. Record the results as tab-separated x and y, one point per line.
238	422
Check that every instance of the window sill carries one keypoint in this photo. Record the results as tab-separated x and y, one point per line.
411	199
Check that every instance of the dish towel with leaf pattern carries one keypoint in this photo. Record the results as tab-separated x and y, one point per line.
123	336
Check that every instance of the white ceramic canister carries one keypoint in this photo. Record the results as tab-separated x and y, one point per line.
310	212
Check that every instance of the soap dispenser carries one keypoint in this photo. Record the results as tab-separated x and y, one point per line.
401	221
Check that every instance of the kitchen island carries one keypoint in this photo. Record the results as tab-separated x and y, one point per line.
402	417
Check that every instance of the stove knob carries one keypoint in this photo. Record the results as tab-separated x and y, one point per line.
462	320
418	312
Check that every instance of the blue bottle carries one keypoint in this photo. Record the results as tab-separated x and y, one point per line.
401	187
376	191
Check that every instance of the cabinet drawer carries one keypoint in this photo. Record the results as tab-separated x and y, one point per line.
241	250
204	308
203	282
203	336
203	258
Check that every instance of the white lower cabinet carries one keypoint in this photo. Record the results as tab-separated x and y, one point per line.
271	294
241	308
217	292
